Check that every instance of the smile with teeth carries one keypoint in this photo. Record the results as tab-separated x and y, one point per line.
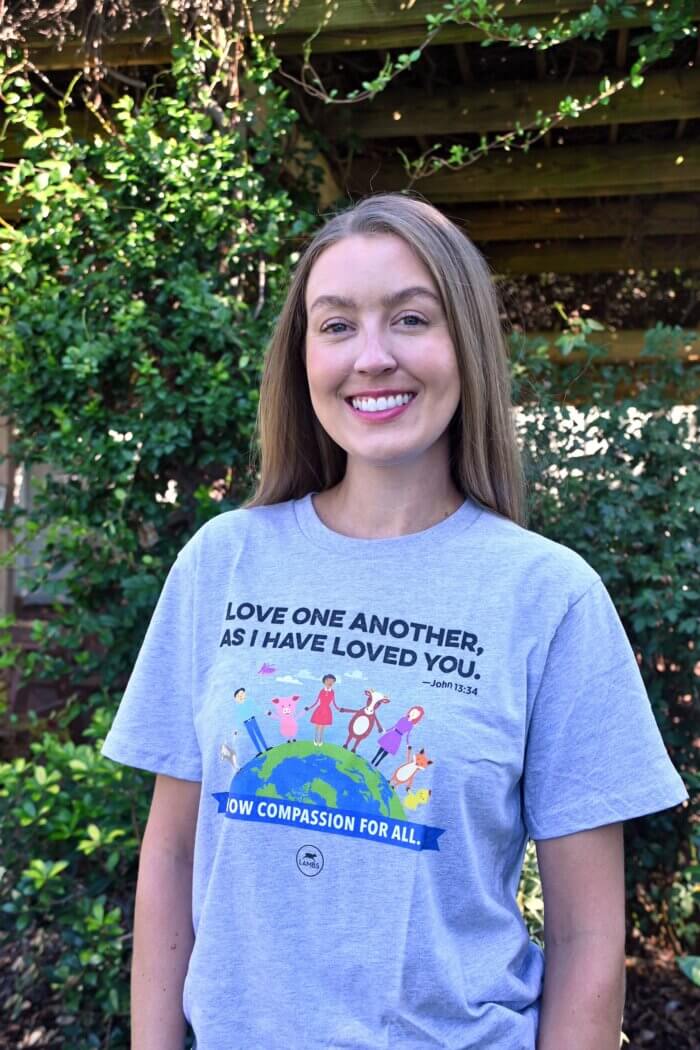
380	404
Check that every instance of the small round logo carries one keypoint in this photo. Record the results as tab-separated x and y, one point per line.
310	861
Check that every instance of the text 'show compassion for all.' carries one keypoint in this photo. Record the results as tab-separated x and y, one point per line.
403	833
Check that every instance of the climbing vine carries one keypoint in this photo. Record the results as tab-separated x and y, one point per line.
667	25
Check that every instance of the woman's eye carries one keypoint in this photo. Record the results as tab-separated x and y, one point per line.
335	327
413	320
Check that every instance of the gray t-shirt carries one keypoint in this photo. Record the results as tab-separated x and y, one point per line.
414	709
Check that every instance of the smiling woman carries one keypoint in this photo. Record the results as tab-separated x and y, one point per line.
373	902
383	378
389	299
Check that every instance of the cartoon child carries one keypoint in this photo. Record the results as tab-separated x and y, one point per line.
390	742
323	716
251	724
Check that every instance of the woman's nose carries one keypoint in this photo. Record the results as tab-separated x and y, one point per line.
374	354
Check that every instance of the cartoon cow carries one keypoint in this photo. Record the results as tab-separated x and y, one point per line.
285	711
405	774
364	718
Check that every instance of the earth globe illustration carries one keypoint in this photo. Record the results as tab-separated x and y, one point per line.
329	776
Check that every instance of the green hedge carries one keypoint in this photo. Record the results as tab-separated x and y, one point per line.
71	826
616	478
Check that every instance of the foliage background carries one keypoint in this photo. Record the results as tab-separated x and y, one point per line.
135	303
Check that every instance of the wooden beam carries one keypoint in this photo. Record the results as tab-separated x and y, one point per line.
534	222
541	72
399	23
571	171
8	212
624	355
621	49
408	35
562	172
310	15
578	219
595	256
385	24
673	95
621	63
81	122
154	52
465	69
622	346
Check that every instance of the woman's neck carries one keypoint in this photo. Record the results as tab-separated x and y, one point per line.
378	503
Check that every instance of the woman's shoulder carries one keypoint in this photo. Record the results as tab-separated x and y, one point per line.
231	530
532	558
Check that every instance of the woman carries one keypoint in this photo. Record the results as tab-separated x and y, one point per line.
390	742
391	498
323	716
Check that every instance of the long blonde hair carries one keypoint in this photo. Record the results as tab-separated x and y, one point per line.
296	454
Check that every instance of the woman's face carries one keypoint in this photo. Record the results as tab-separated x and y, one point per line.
381	366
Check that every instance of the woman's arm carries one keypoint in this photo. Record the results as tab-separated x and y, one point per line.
583	887
163	935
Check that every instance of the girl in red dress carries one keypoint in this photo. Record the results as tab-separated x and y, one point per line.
323	716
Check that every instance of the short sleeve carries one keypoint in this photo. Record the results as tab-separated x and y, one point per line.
154	728
594	754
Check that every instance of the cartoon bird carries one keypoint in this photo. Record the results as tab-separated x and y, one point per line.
417	798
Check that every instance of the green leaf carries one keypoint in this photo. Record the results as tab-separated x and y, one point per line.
690	966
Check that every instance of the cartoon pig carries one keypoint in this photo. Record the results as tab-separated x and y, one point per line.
285	711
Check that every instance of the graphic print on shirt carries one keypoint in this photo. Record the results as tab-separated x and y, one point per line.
323	716
321	783
364	719
284	710
332	787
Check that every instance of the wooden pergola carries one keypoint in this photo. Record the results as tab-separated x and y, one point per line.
614	188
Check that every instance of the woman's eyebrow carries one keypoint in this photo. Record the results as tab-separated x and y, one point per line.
394	299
